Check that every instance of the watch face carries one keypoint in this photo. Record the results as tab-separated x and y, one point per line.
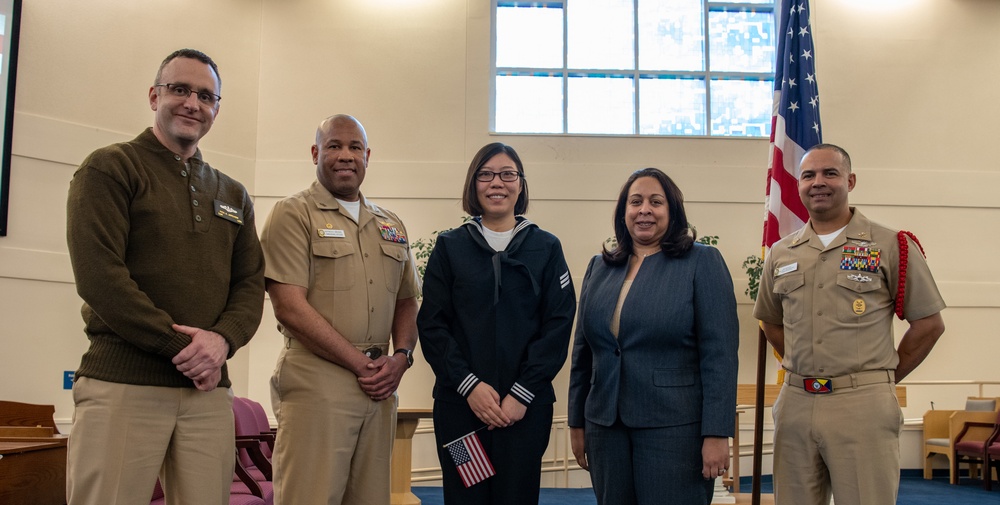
409	356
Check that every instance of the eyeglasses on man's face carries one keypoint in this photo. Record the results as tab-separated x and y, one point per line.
184	91
505	176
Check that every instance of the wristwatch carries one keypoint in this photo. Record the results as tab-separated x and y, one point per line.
409	356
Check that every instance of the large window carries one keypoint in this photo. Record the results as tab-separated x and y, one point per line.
634	67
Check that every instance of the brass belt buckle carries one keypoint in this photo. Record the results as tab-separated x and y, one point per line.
373	352
817	385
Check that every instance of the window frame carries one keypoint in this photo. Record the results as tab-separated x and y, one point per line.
635	74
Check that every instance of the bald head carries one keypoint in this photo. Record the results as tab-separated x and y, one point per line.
339	120
341	156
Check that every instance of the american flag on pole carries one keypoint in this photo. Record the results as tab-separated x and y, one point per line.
470	459
795	123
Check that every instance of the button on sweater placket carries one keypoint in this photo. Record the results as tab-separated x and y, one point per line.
199	220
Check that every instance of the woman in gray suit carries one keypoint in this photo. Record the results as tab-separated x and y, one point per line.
652	397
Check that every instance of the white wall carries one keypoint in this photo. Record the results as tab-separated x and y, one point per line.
83	76
908	91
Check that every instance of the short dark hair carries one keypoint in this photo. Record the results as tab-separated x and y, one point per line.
678	239
194	54
470	200
832	147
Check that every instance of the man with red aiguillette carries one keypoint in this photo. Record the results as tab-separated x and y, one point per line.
827	296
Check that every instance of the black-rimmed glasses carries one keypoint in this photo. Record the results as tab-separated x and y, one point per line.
505	176
184	91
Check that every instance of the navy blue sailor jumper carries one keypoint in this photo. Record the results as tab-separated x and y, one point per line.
503	318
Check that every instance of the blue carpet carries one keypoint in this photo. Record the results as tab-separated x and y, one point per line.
913	490
550	496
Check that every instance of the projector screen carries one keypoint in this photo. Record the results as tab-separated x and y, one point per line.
10	21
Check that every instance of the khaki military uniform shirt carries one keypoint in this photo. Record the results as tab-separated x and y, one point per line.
836	303
354	272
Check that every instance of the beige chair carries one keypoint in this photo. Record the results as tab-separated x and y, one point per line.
941	427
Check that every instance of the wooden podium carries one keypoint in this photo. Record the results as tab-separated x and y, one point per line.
402	451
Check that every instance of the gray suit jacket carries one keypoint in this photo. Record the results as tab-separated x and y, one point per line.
675	361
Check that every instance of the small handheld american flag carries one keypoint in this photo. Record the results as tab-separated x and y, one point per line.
470	459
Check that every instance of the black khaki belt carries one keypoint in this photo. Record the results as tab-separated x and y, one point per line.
823	385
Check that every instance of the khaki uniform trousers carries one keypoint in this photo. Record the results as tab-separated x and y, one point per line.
334	443
125	436
846	442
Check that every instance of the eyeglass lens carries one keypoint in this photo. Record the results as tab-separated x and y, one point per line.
505	176
180	90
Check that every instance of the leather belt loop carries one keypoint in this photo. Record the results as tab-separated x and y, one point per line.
854	381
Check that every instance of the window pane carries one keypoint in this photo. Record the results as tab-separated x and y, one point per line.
634	67
671	106
600	34
529	37
529	104
671	35
601	104
742	108
741	41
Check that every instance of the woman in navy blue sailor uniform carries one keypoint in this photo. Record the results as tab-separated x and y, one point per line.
494	325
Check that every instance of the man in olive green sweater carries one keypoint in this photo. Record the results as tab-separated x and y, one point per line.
168	263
